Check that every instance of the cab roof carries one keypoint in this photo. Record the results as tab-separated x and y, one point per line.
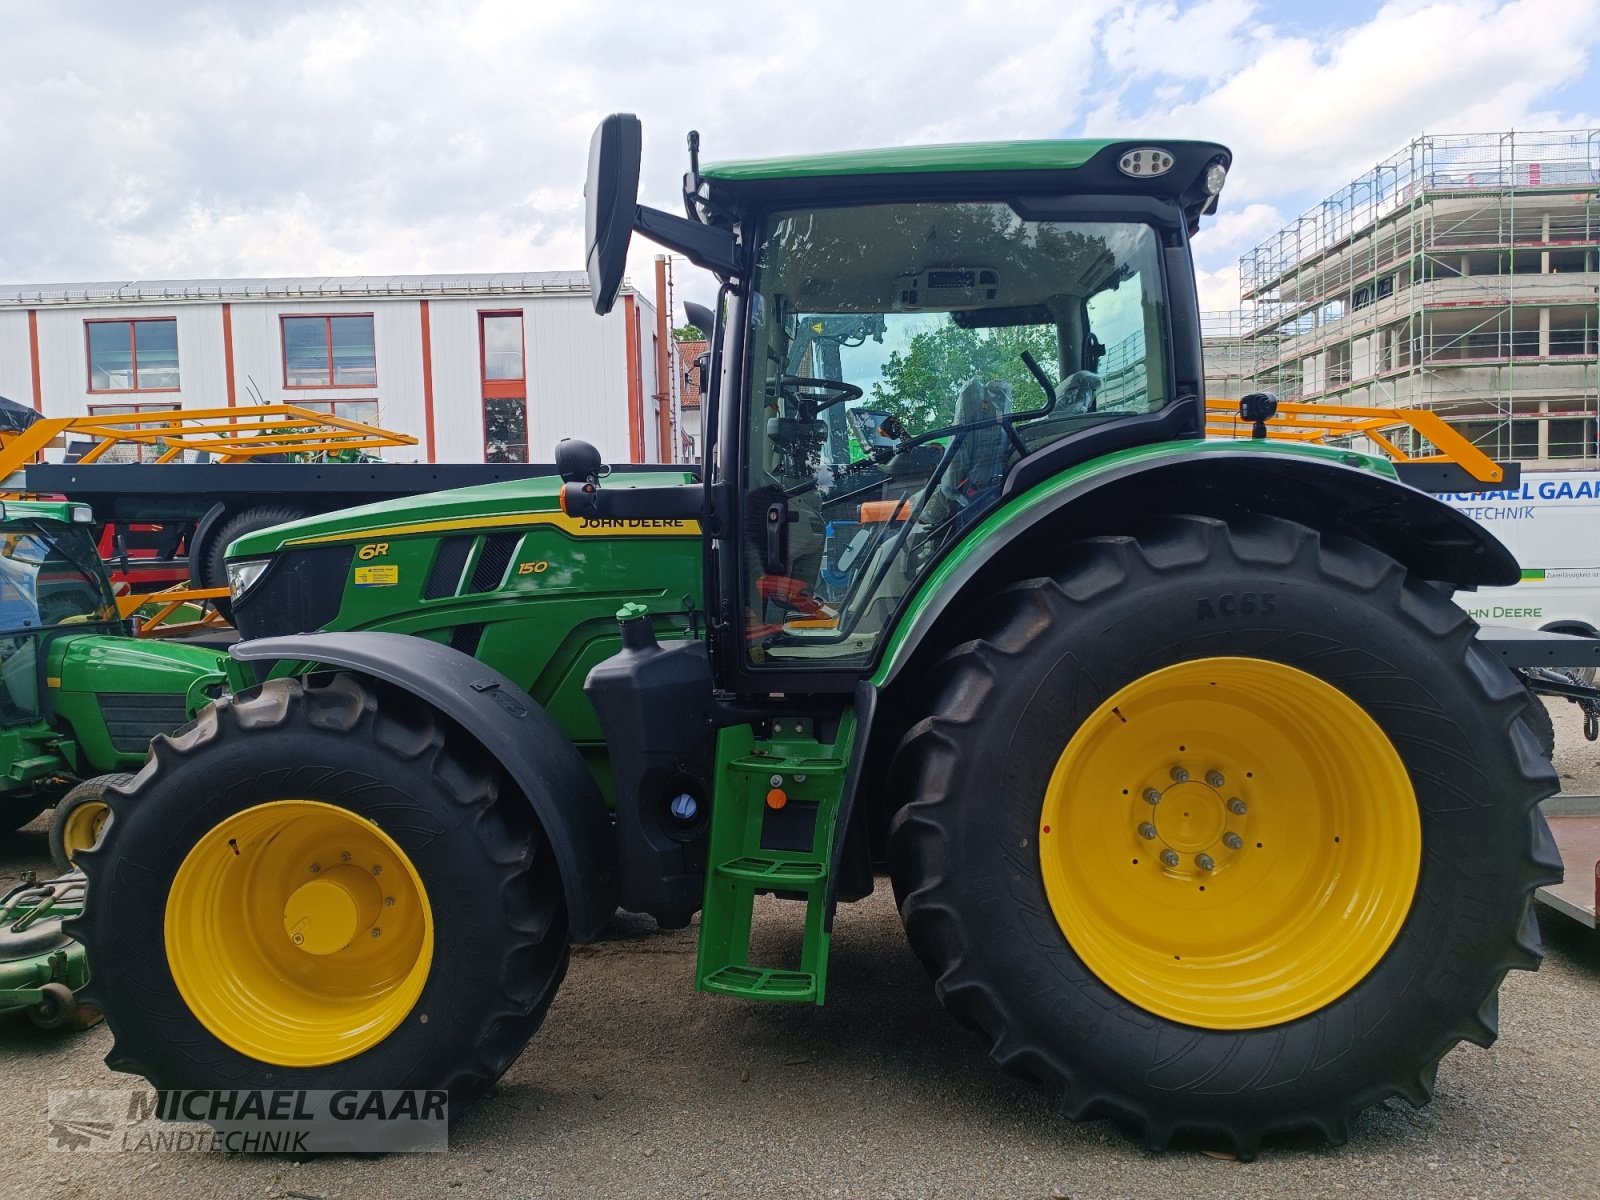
1081	165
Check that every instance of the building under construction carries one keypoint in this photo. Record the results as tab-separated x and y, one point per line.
1459	274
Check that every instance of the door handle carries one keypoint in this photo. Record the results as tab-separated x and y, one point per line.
778	538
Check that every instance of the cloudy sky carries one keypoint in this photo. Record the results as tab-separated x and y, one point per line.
203	138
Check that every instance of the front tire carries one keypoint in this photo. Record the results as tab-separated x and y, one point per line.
322	884
79	818
1340	872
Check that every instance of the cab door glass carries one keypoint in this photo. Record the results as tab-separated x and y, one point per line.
903	358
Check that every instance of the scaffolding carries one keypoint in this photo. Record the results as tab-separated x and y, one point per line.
1458	275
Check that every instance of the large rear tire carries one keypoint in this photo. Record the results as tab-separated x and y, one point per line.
322	884
1226	829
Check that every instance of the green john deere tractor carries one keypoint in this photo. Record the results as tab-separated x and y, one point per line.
79	698
1201	800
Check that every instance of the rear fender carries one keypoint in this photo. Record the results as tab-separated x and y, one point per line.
510	725
1333	492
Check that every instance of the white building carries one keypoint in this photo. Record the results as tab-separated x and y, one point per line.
494	367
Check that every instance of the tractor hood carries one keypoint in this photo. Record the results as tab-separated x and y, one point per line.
489	506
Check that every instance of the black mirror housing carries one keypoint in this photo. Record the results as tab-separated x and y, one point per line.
611	196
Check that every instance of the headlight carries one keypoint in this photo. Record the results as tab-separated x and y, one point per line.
242	575
1216	176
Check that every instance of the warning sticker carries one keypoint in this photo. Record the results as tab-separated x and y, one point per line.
377	576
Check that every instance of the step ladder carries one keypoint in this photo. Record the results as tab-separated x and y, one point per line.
772	827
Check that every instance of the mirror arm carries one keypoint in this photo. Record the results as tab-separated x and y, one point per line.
713	249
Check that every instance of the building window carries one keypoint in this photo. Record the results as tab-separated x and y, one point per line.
329	352
505	387
365	411
500	337
125	452
505	430
133	356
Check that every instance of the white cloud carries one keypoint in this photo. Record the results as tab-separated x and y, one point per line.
209	138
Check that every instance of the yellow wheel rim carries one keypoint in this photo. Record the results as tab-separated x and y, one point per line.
1230	843
83	826
298	933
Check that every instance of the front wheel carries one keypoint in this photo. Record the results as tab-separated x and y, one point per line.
1226	829
322	885
80	818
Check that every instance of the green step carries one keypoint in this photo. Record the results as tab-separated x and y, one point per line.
756	849
775	872
762	983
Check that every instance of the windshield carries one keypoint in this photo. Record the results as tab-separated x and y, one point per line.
50	577
906	356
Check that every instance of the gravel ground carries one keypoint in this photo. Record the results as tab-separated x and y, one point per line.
637	1086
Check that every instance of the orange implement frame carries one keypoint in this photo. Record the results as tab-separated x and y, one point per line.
227	435
160	607
1319	423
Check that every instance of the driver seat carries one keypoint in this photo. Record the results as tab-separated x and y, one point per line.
980	463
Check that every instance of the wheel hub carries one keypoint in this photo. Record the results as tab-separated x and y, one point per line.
326	914
298	932
1230	842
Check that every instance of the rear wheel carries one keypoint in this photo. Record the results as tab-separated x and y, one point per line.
322	885
1223	829
80	817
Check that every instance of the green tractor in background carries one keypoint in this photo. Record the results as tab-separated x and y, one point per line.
1201	800
80	698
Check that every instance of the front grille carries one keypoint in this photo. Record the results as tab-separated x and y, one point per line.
133	718
300	593
465	638
445	577
493	560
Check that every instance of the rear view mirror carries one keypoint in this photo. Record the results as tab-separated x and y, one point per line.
611	196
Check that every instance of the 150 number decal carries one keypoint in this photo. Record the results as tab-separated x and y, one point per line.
1237	604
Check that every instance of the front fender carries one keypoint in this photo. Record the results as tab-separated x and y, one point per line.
510	725
1334	492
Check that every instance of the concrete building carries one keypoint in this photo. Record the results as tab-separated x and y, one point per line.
1459	274
494	367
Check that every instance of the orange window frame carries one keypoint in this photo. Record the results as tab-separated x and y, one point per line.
502	389
327	333
133	357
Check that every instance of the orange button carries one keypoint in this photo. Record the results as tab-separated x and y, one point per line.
777	798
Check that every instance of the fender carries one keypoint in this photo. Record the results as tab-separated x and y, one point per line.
510	725
1332	491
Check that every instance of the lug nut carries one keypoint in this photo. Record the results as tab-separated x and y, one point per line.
1205	862
388	901
1232	841
299	939
1179	775
377	933
1147	831
1169	858
345	857
1151	796
1215	779
315	867
377	870
1236	807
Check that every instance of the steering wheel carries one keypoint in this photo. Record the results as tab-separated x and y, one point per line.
834	391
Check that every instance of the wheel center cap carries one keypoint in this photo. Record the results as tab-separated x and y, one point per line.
1191	817
325	914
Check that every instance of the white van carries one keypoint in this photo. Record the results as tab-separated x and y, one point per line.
1552	524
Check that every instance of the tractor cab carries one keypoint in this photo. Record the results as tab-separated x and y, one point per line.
892	361
51	581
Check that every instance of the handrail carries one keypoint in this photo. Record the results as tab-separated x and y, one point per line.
1316	423
229	435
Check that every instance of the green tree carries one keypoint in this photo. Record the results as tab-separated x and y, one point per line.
688	333
920	384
